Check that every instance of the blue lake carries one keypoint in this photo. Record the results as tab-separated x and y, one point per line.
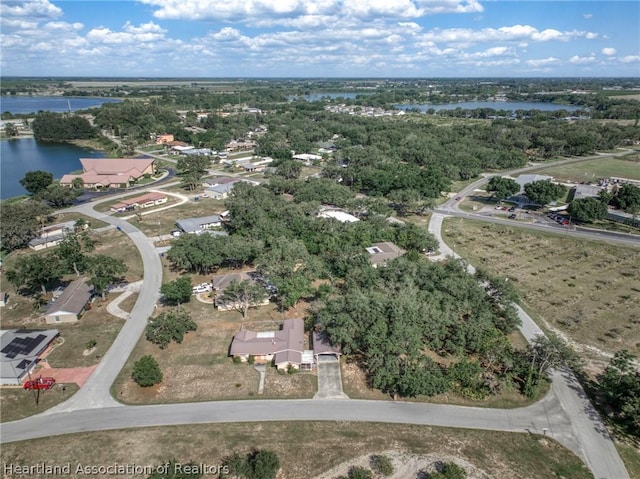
495	105
57	104
330	95
26	154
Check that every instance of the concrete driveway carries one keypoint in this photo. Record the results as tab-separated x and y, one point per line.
329	380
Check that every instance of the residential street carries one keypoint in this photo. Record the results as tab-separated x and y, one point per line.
565	414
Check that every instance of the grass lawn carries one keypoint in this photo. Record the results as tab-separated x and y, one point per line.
630	456
129	302
17	403
73	216
305	449
629	167
588	290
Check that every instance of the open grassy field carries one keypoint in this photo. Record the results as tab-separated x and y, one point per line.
629	167
590	291
305	449
17	403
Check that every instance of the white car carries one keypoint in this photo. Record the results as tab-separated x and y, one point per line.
201	289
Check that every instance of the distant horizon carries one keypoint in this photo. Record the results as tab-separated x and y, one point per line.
142	78
320	39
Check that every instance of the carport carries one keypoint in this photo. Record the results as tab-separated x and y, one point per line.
323	350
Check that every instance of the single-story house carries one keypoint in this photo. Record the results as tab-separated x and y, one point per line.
111	172
198	152
145	201
71	304
307	158
219	180
20	351
220	192
284	347
51	235
4	298
381	253
199	225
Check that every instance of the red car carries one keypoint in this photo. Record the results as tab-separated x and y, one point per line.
40	383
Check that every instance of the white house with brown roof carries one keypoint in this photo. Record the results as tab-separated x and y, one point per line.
51	235
111	172
71	304
145	201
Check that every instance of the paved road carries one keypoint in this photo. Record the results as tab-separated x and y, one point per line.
565	414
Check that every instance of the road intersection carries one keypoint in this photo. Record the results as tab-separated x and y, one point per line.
564	414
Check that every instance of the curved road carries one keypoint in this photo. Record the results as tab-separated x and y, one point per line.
565	414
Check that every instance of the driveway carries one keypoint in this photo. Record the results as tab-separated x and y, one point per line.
65	375
329	380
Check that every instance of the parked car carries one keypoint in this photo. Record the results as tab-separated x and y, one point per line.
201	289
40	383
513	216
513	208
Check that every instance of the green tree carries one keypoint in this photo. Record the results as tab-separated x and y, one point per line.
259	464
58	196
146	371
288	264
587	210
177	292
72	251
289	169
35	271
192	169
169	326
620	386
242	295
544	191
105	270
36	181
628	199
11	130
21	222
503	187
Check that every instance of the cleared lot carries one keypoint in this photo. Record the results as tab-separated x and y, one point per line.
588	290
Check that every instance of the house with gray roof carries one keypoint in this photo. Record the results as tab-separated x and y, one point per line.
71	304
381	253
199	225
20	351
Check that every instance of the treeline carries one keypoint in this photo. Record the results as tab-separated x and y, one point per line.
56	127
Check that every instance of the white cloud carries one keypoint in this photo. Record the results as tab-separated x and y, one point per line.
609	51
577	60
541	62
31	9
587	16
147	32
286	11
518	33
630	59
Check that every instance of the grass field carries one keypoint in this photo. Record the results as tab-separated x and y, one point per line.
595	169
17	403
306	449
588	290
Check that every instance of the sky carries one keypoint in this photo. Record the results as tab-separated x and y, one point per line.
320	38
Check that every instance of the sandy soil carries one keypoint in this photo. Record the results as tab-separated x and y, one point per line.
407	466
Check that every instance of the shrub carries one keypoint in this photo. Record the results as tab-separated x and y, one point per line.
237	360
382	465
91	344
291	369
357	472
146	371
251	359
